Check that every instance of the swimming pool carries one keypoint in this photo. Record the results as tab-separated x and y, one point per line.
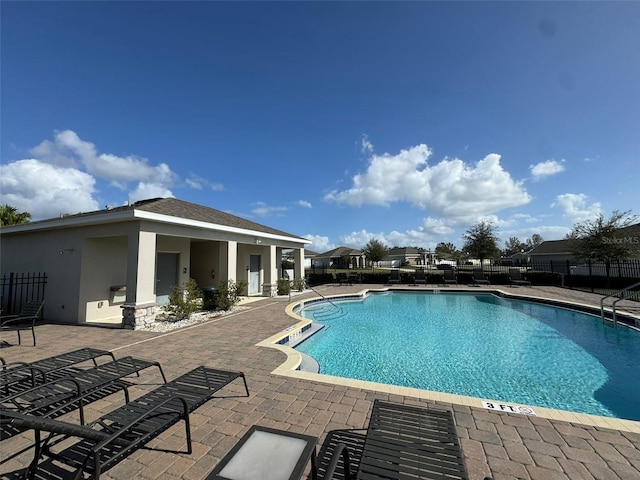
481	345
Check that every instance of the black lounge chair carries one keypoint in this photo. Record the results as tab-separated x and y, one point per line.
340	278
353	278
73	392
479	278
420	278
105	442
405	442
449	277
25	320
515	277
18	376
394	276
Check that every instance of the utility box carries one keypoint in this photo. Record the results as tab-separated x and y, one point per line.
118	294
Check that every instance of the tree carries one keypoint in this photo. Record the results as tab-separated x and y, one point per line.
481	241
375	251
444	250
534	241
602	240
512	246
9	216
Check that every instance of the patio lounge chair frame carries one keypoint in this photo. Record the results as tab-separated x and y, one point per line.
394	276
449	277
404	442
72	392
420	278
115	435
515	277
340	278
25	320
17	376
479	278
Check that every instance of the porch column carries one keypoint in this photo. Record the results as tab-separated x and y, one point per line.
228	260
298	258
140	305
141	268
270	280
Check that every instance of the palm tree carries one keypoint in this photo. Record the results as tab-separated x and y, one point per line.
9	216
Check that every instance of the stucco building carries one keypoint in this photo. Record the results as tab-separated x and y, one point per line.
118	265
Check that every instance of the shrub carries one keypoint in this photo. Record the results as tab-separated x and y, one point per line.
183	301
284	287
228	294
298	284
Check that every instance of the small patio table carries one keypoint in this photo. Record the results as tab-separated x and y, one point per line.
268	454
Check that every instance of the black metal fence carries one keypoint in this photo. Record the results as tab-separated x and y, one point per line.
18	288
591	276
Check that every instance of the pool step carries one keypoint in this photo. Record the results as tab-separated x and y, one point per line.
309	364
315	327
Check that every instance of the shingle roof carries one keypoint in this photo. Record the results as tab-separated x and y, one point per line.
557	247
192	211
553	247
171	207
340	252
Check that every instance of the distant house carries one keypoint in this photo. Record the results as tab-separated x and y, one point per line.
118	265
553	256
341	257
557	256
399	256
309	258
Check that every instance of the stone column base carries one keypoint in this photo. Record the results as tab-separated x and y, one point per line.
269	289
137	317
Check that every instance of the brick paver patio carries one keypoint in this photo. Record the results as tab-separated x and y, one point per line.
503	445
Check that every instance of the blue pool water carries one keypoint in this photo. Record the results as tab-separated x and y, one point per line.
481	346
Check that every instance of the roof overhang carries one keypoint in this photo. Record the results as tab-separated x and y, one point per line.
132	215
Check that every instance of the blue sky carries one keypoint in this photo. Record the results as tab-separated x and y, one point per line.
339	122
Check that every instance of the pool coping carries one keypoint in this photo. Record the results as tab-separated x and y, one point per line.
289	368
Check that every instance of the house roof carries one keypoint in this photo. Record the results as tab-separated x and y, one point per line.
553	247
155	209
340	252
404	251
560	247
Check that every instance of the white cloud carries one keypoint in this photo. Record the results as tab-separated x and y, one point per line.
546	168
575	207
319	243
449	188
198	183
46	191
67	145
416	238
361	238
148	190
547	232
263	210
304	203
366	146
45	194
438	226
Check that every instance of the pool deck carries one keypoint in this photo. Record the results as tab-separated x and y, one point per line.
506	446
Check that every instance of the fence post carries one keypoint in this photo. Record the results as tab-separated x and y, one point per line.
10	300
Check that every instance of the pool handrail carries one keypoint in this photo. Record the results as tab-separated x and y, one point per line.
613	305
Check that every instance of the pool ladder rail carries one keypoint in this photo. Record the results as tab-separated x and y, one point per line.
624	293
322	312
